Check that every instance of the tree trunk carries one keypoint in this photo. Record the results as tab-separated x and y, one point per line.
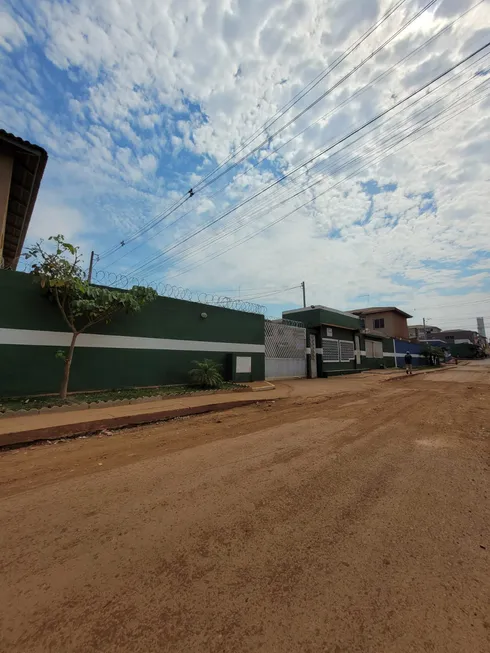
66	372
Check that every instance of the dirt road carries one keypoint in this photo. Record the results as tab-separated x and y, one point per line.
354	522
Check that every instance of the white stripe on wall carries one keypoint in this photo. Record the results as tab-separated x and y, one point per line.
63	338
389	354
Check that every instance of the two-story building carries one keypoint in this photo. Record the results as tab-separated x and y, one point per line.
389	321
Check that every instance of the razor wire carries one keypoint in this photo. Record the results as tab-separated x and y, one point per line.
124	282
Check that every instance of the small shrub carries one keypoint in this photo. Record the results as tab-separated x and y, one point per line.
206	374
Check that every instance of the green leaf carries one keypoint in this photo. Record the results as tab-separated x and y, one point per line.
206	374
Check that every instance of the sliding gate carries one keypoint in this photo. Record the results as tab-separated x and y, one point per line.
285	349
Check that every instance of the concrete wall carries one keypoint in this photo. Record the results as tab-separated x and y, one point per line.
153	347
395	324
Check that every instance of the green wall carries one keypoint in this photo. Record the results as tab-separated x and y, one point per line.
338	333
377	363
31	369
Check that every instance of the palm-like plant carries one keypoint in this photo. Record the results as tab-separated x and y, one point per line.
206	374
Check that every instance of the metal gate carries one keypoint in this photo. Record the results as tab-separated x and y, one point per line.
285	349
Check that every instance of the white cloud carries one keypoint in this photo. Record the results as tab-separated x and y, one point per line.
51	217
157	91
11	34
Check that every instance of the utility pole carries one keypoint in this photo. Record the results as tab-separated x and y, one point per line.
91	266
304	293
425	327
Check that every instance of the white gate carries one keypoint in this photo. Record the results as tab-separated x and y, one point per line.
285	349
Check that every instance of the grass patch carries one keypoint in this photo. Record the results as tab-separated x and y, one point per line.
48	401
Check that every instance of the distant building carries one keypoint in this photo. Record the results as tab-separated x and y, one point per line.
457	337
388	321
480	325
419	332
463	343
21	170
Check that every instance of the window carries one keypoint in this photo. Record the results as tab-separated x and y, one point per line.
346	351
374	349
379	324
330	350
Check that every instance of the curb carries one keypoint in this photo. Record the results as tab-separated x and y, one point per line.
416	373
28	412
264	388
15	438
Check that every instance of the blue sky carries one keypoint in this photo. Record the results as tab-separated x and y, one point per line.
137	101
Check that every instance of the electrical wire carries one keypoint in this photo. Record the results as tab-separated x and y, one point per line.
301	94
431	307
192	191
316	156
240	225
269	139
313	158
321	118
268	294
306	203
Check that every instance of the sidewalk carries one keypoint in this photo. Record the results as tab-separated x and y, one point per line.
29	428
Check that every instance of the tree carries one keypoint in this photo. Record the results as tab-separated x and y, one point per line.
81	304
434	355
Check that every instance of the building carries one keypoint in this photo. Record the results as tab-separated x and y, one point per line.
457	337
388	321
22	167
421	332
332	339
463	343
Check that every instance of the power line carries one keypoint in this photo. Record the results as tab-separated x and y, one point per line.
313	158
268	294
423	308
301	94
224	234
287	142
309	201
192	191
329	91
283	217
316	156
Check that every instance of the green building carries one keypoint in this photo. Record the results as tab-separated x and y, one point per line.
337	344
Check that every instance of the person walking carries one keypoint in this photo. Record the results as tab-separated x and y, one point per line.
408	362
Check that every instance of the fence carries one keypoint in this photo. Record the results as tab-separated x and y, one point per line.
155	346
124	282
285	349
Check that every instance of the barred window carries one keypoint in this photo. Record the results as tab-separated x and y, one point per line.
330	350
346	351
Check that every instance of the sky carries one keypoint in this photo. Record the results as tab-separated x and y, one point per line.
138	101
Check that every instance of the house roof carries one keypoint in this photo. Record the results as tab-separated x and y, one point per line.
379	309
315	307
29	162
